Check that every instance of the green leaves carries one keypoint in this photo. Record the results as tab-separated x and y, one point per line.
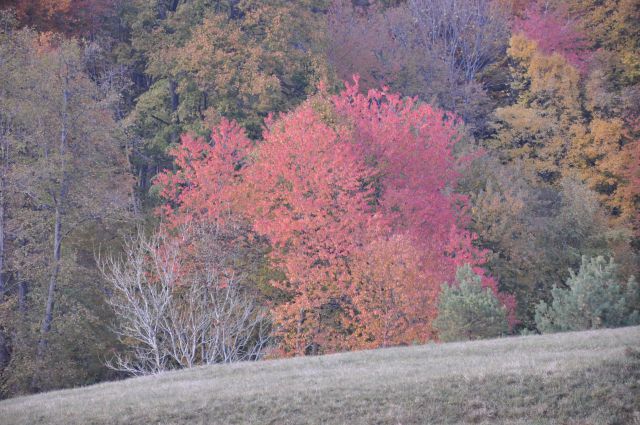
595	298
466	310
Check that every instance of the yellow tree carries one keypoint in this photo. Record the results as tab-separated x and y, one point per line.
537	129
568	120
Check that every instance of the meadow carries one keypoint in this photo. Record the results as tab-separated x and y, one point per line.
590	377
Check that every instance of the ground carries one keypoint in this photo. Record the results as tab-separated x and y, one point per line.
581	378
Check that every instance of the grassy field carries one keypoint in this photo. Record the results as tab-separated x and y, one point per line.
573	378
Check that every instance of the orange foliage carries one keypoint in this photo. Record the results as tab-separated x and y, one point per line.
395	297
354	194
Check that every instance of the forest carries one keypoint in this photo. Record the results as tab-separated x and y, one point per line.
190	182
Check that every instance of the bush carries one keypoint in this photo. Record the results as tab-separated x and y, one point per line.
180	305
594	299
466	310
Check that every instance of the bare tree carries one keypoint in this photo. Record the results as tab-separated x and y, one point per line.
172	315
433	49
467	34
139	305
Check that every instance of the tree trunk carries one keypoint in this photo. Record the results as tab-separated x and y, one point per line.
300	350
59	201
22	298
3	201
4	351
175	102
2	225
53	281
4	343
175	99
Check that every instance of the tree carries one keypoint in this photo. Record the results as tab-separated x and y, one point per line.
546	115
306	196
570	119
630	192
330	182
467	311
73	17
613	27
396	302
172	316
68	180
360	42
195	62
594	299
435	50
535	233
555	31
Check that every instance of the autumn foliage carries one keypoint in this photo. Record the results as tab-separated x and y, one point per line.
505	142
355	194
72	17
554	31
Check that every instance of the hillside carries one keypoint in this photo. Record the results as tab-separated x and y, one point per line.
588	377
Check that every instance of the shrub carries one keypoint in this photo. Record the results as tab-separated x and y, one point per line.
466	310
594	299
180	305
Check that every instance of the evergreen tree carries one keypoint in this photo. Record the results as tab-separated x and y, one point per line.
595	298
466	310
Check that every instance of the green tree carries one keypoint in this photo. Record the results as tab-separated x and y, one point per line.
466	310
197	61
595	298
65	189
536	232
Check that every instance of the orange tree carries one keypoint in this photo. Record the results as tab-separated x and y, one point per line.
355	195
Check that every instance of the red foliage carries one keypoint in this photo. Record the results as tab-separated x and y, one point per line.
307	196
411	146
359	208
555	31
203	188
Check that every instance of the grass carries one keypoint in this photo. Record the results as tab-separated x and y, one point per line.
576	378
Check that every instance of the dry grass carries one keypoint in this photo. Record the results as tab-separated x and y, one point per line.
573	378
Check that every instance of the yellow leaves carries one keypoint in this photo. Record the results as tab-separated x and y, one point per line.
554	76
521	48
597	148
549	132
598	156
214	53
609	133
244	67
539	128
614	25
530	135
553	80
631	62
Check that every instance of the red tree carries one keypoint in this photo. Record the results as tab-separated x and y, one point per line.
411	147
204	186
356	195
307	195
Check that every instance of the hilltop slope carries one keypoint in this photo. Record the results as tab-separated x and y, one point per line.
583	377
